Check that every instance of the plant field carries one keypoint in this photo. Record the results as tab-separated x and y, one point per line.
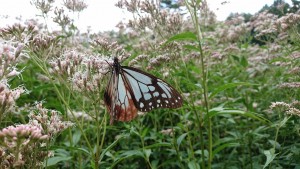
239	80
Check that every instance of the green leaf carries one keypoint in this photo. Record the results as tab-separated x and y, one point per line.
223	146
275	144
159	145
282	123
189	36
198	2
133	153
191	47
244	61
222	111
228	86
180	138
76	137
193	165
110	146
147	153
54	160
270	154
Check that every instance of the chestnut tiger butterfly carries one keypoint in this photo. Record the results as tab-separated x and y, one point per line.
130	90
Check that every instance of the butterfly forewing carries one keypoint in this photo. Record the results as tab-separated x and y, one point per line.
150	92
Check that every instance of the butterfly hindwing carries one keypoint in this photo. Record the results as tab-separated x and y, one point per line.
150	92
118	99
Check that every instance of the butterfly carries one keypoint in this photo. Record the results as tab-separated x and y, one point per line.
130	90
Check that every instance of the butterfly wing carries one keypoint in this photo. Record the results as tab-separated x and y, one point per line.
149	92
118	99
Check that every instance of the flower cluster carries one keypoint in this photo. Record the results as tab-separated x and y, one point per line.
43	5
169	132
49	120
264	23
152	17
80	115
8	98
25	142
61	18
83	72
43	46
75	5
290	85
108	48
18	32
234	30
290	109
288	21
9	57
19	142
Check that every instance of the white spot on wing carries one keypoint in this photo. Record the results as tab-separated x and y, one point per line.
151	88
147	96
144	88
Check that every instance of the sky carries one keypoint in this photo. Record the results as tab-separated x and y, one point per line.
103	15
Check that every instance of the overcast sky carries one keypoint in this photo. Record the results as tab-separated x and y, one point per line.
103	15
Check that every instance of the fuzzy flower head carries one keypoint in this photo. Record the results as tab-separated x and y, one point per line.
18	32
288	108
80	115
8	97
75	5
288	21
22	132
169	132
49	120
9	58
19	142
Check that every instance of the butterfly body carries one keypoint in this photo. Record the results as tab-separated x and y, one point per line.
130	90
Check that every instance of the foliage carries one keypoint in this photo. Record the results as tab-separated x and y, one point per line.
241	99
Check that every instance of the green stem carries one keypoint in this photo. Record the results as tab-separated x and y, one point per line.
175	143
193	11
